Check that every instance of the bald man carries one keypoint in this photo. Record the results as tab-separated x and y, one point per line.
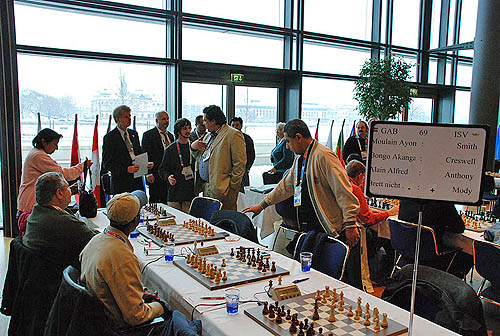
154	143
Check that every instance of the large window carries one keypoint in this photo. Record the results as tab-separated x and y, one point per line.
420	110
329	100
59	88
405	23
268	12
225	46
55	28
462	107
464	74
341	18
195	97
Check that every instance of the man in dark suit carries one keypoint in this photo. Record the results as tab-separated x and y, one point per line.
119	148
199	131
237	123
154	143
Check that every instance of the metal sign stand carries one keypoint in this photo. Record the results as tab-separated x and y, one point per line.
415	270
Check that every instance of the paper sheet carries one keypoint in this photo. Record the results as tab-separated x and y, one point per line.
141	160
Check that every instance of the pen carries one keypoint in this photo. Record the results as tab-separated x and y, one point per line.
299	280
213	297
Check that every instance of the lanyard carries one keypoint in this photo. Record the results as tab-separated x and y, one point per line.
304	161
359	144
106	231
180	155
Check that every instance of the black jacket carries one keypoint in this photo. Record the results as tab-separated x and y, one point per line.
152	144
116	159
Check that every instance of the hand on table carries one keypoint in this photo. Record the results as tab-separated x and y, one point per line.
352	236
256	209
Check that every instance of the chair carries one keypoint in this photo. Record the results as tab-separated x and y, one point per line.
235	222
204	207
333	254
403	238
30	287
486	253
440	297
288	213
74	308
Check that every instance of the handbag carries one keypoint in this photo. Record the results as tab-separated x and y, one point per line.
88	202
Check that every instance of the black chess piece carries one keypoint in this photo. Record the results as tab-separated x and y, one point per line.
265	310
232	253
288	316
301	330
271	312
283	311
310	331
320	331
273	267
267	263
315	315
279	318
293	327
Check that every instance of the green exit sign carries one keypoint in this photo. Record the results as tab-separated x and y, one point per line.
237	77
413	92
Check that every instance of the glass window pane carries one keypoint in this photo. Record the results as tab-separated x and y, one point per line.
328	99
258	107
196	96
54	28
322	57
464	74
448	79
412	60
462	106
383	27
268	12
468	21
433	65
47	85
405	23
451	23
435	22
144	3
420	110
342	18
224	46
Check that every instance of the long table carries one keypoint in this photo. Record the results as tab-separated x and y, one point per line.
184	293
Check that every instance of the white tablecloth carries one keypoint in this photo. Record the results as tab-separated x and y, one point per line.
183	292
264	221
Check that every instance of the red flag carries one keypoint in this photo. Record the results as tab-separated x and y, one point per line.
75	151
340	144
316	134
95	169
353	130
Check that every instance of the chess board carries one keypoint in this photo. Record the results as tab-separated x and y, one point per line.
182	235
344	325
476	225
238	273
151	216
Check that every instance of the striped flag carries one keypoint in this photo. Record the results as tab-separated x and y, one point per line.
329	142
353	130
316	134
75	152
96	165
340	144
133	125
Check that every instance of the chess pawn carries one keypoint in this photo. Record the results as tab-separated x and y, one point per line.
232	252
273	267
265	310
293	327
315	315
327	291
271	312
350	313
375	313
377	325
288	316
334	295
318	296
217	278
357	317
332	318
367	320
384	323
279	318
223	262
188	258
224	277
320	331
324	300
341	305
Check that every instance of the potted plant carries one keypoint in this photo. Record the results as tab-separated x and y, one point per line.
383	90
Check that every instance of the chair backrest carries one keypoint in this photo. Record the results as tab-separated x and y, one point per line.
486	253
242	226
333	257
204	207
404	236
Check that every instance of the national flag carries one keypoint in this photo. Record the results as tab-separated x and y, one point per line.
329	142
340	144
133	125
109	125
39	125
316	134
143	177
96	166
75	150
353	130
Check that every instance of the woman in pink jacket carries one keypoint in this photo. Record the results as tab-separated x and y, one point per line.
39	162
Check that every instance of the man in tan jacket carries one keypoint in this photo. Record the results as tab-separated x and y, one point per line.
220	159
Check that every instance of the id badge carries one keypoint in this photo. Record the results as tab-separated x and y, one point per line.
206	156
364	155
187	172
297	196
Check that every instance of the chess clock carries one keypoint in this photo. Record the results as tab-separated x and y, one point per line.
285	292
167	222
207	250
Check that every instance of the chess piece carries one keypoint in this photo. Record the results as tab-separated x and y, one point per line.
384	323
293	327
332	318
367	307
224	278
341	305
327	291
359	309
341	295
350	313
375	313
367	320
271	312
270	284
377	325
283	311
318	296
217	278
334	295
357	317
265	310
310	331
267	263
315	315
320	331
301	330
288	316
280	278
273	267
279	318
324	300
232	252
223	262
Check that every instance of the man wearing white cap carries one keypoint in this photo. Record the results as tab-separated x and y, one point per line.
111	271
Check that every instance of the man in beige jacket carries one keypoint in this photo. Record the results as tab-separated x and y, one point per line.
220	159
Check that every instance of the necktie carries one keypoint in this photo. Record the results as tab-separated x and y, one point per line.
166	140
128	143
